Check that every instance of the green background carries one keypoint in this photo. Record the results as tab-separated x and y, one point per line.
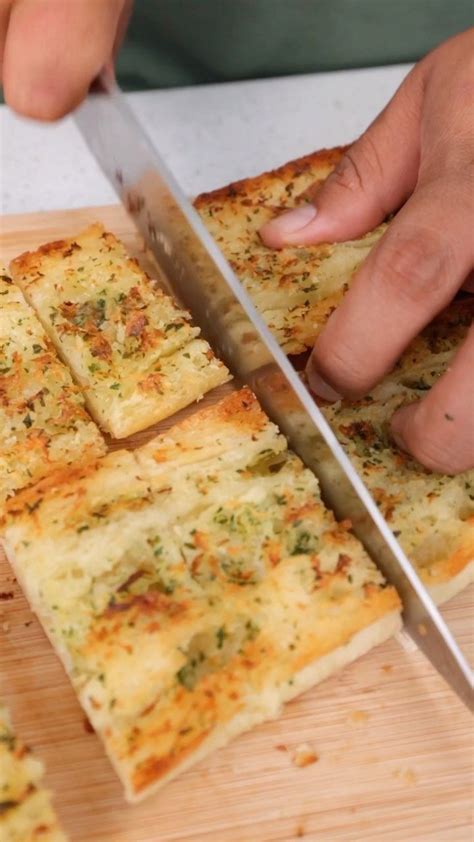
181	42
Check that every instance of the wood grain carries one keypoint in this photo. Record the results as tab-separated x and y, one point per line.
394	745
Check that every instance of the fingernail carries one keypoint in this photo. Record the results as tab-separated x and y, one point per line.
294	220
320	387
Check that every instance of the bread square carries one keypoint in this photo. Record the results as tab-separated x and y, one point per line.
43	422
193	585
132	350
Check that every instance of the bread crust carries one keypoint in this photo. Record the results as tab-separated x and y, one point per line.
321	162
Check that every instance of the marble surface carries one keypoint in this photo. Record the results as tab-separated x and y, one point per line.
209	135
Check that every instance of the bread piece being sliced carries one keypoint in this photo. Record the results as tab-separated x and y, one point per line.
129	346
296	288
26	811
432	514
193	586
43	422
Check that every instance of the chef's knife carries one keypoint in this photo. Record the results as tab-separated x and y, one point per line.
201	278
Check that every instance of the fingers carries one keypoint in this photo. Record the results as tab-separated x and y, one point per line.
410	275
5	6
439	430
373	179
54	50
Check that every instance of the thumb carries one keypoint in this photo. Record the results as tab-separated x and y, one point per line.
374	178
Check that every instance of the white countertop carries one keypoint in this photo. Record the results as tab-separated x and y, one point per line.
209	135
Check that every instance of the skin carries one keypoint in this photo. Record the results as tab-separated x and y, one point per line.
417	155
68	44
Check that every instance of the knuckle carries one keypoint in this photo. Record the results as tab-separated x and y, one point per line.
347	174
360	167
343	368
436	457
361	172
414	264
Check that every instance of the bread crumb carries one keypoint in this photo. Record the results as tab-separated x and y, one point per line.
299	833
422	629
387	667
304	755
359	716
408	776
281	747
6	627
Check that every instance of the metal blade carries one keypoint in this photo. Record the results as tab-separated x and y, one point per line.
202	280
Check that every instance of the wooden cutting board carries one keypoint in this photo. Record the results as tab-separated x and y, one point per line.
394	745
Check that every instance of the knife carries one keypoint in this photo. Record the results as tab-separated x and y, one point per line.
200	277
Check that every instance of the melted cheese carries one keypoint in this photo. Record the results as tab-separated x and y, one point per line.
43	422
189	584
134	352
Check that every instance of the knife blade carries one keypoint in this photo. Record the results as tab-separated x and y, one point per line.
200	277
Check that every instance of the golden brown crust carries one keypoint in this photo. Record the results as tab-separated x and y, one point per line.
241	410
324	159
463	555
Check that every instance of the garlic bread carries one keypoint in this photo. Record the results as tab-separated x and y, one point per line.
132	350
43	422
194	585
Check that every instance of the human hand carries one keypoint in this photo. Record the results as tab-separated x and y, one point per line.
52	50
418	153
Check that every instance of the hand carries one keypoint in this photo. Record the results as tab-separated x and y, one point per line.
52	50
418	153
